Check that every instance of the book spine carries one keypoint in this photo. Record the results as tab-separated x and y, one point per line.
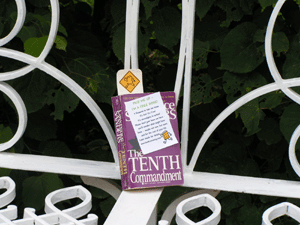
120	129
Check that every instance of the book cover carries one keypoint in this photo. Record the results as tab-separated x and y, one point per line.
156	169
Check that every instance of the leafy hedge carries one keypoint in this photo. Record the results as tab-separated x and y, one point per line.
229	61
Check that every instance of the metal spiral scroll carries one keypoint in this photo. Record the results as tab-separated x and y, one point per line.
39	63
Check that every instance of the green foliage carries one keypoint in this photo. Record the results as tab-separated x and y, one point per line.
238	51
166	25
228	63
35	46
36	188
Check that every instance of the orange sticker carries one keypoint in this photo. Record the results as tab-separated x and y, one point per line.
129	81
166	135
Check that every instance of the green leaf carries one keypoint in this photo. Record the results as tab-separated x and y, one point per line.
266	3
272	155
298	2
98	150
5	133
168	195
118	42
40	3
201	50
259	35
249	214
229	203
107	205
98	193
1	27
55	148
143	39
289	121
33	88
34	46
62	30
251	114
61	43
35	189
249	168
228	156
149	5
167	26
233	10
236	86
238	52
247	6
118	11
64	100
203	90
272	100
27	32
90	2
2	6
202	7
42	22
41	126
280	42
291	66
269	132
93	75
212	32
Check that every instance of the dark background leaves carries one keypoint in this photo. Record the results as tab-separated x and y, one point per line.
228	63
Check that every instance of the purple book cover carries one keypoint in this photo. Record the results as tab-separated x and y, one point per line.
156	169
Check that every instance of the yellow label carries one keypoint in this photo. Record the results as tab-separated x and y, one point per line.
166	135
129	81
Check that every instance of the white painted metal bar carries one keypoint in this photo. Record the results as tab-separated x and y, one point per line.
81	93
134	207
187	43
292	150
131	35
59	165
108	186
10	213
243	184
279	210
269	54
145	214
22	114
126	207
21	7
230	109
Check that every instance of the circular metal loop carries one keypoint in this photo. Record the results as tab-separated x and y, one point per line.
40	63
19	22
9	195
279	210
196	202
69	193
22	113
32	61
269	54
292	151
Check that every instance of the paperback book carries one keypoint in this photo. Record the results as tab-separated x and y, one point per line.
162	167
